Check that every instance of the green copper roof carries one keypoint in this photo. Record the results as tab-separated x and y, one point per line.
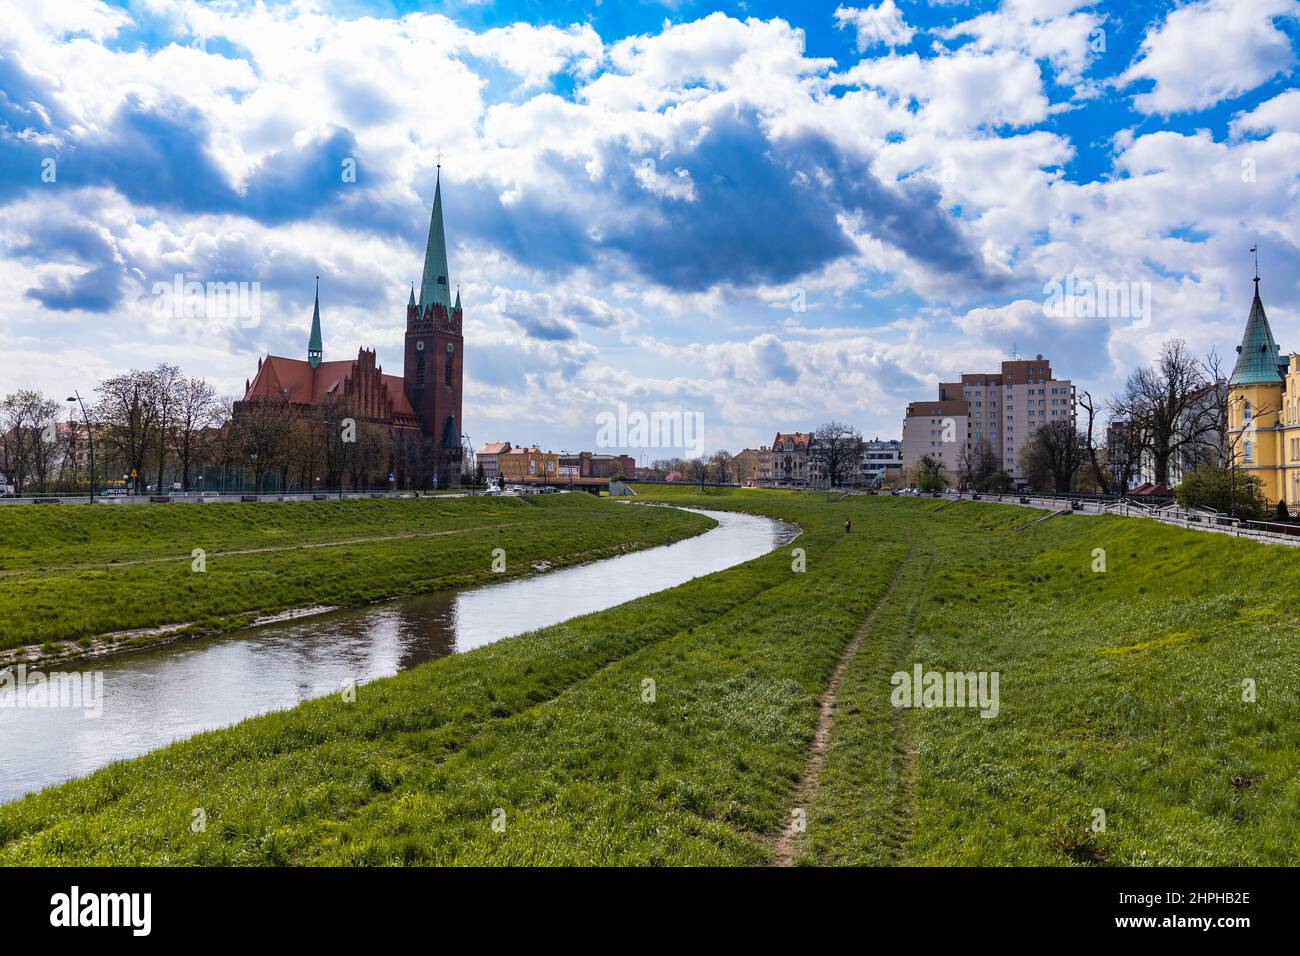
457	298
314	349
1257	355
410	303
434	287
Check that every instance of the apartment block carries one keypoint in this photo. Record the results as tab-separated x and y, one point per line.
1002	410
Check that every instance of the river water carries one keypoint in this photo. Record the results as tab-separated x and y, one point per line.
153	697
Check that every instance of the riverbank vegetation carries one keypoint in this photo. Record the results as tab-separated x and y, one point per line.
69	573
1147	714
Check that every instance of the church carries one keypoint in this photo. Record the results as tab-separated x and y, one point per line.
424	402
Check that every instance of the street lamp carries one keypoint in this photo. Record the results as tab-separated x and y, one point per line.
90	438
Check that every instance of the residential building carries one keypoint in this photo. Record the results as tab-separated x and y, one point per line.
520	463
489	457
746	465
1000	409
876	456
789	459
1264	409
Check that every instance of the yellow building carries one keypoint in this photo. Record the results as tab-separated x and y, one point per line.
519	464
1264	409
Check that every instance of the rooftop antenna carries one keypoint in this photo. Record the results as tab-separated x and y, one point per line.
1014	353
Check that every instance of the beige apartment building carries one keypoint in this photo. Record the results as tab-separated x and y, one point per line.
1002	409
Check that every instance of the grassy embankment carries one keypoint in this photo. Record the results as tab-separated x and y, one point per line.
1119	690
69	573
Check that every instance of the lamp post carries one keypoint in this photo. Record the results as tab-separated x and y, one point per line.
90	438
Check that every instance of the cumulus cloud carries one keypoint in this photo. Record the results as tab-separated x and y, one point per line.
874	26
1210	51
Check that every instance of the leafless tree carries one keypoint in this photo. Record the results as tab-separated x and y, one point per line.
1166	405
720	462
1099	473
127	414
835	448
29	443
697	470
198	413
1052	456
167	384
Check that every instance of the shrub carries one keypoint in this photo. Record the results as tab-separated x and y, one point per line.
1213	487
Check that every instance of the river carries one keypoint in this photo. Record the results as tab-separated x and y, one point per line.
155	696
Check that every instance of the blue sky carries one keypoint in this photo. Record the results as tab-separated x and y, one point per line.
773	214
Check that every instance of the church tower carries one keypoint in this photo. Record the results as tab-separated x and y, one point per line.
1255	403
435	360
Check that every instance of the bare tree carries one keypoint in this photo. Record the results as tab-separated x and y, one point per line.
1165	403
1052	456
127	414
835	447
29	440
720	462
1090	442
697	470
167	385
198	412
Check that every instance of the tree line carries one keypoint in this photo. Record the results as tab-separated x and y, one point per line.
158	429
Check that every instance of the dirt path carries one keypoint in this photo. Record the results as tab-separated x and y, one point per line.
785	844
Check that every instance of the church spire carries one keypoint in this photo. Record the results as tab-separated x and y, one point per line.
314	350
434	287
457	305
410	303
1257	355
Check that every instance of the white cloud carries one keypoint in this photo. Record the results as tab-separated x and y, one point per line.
1280	114
1051	31
1211	51
881	24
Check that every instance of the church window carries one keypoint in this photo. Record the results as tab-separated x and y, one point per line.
1248	454
446	371
419	370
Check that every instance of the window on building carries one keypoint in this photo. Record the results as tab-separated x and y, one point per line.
447	368
419	370
1248	453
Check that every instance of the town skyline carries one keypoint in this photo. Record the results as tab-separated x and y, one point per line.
591	163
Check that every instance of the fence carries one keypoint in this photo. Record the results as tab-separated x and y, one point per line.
1167	512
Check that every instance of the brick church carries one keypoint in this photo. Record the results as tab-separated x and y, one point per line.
424	402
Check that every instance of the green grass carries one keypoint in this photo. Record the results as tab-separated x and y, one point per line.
78	572
1119	690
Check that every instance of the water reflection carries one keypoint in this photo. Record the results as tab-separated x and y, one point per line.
154	697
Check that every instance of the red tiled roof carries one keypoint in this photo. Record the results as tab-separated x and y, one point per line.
297	381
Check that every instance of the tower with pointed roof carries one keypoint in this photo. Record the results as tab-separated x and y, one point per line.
315	350
1258	406
435	362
